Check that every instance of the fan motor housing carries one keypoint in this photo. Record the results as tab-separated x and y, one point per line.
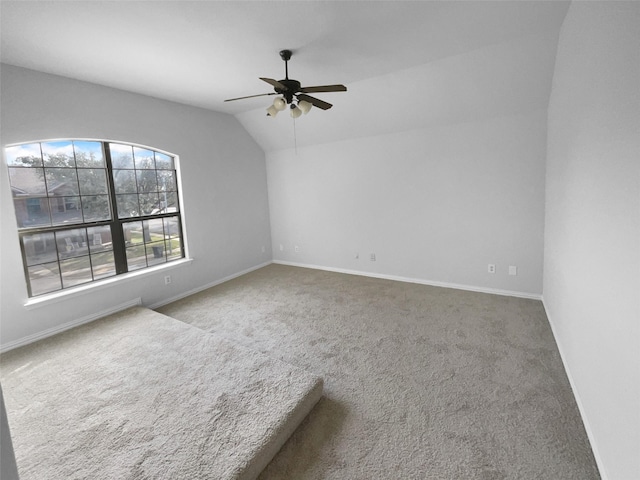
291	87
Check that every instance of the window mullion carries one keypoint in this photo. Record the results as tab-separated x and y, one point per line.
117	234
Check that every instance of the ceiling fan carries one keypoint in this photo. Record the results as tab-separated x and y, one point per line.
292	93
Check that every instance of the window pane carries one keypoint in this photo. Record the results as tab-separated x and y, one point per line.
65	210
147	181
58	154
164	161
44	278
168	202
173	242
171	227
155	253
125	181
166	180
95	208
149	203
62	181
121	155
75	271
143	158
88	154
28	190
173	247
32	212
127	206
133	233
40	248
24	155
93	181
27	181
136	257
72	243
103	265
154	230
99	238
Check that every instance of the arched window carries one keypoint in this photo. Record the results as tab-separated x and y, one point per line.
89	210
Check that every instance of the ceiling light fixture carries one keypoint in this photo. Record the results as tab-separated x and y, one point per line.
295	110
293	94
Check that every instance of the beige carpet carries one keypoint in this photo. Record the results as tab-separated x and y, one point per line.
420	382
137	395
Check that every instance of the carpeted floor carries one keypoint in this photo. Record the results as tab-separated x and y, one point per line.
138	396
420	382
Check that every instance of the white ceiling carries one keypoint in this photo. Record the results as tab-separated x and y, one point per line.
406	64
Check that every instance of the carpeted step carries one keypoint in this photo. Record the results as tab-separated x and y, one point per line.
140	395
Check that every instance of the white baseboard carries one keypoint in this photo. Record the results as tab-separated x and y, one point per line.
470	288
585	419
165	301
136	301
66	326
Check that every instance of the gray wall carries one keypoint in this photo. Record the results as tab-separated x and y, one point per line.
435	205
223	183
592	227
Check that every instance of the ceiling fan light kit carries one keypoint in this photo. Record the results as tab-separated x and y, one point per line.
292	93
280	103
304	106
296	110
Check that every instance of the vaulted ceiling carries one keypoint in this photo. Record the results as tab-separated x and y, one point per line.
406	65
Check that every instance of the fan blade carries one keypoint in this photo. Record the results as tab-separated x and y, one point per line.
314	101
250	96
324	88
273	83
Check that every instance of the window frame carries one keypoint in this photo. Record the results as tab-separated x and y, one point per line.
115	225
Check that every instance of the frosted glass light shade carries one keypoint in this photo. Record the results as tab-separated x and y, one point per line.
295	111
279	103
304	106
272	111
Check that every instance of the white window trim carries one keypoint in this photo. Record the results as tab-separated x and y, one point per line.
91	287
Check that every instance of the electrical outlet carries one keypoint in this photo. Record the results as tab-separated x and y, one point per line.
513	270
297	249
167	279
357	256
491	268
372	257
281	247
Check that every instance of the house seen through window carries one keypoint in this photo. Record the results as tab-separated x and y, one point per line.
88	210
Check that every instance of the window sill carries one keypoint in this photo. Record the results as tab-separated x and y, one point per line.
62	295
